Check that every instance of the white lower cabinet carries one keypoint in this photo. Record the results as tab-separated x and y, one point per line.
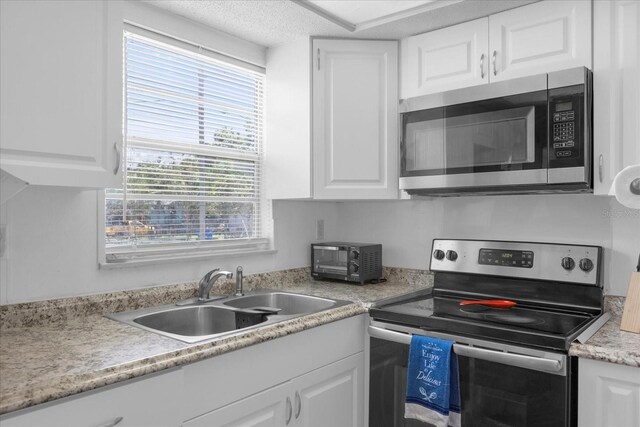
608	395
265	409
311	378
328	396
331	396
147	402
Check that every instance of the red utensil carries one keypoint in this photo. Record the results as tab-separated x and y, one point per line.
494	303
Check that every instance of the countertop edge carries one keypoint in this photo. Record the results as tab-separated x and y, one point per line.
604	354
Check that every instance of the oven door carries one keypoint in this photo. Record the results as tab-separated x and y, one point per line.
500	385
497	140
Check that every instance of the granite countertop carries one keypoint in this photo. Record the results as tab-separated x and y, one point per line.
58	348
610	344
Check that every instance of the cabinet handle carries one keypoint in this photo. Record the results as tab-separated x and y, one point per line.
298	405
118	158
114	422
318	56
495	69
482	66
600	167
289	411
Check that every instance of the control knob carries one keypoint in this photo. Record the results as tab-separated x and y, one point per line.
355	267
355	254
452	255
438	254
586	265
568	263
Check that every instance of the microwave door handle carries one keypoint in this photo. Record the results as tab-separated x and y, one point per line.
518	360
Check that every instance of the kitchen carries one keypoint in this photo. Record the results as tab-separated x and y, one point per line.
53	246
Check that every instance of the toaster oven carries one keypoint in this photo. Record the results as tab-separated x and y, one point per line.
350	262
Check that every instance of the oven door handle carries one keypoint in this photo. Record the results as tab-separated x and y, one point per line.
512	359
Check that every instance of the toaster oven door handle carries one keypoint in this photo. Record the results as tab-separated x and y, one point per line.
542	364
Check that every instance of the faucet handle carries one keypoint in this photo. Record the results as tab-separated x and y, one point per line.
207	276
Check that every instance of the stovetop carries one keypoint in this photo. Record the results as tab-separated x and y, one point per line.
556	288
522	324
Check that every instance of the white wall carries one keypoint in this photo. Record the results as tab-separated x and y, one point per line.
52	234
406	229
52	247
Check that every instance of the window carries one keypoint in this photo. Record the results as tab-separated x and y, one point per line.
193	135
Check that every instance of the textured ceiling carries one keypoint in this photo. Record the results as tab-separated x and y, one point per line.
361	11
274	22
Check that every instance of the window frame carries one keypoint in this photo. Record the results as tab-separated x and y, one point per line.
115	257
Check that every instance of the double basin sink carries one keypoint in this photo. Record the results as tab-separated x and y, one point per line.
225	316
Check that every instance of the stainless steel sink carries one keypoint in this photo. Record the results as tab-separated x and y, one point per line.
232	315
289	304
191	321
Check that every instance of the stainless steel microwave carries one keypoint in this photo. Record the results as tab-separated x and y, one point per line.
531	134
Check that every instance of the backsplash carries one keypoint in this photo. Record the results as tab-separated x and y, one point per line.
61	310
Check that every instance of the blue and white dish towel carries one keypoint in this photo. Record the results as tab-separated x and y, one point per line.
432	382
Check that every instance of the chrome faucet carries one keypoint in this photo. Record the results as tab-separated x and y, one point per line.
238	292
206	283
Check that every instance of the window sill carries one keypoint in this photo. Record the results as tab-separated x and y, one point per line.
182	256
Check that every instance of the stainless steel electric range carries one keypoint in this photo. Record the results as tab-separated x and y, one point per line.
512	310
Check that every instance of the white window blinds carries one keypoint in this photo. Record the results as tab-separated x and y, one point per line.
193	132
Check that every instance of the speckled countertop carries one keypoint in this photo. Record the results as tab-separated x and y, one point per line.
610	344
58	348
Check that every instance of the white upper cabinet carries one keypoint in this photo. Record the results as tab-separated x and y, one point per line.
533	39
332	130
450	58
616	89
61	84
355	131
539	38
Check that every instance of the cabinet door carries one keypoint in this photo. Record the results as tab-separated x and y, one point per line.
355	119
270	408
608	395
539	38
446	59
61	84
332	395
616	89
147	402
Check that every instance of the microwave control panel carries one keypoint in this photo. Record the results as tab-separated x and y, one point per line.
564	129
565	133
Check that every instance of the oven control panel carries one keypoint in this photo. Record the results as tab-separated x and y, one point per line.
529	260
506	258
